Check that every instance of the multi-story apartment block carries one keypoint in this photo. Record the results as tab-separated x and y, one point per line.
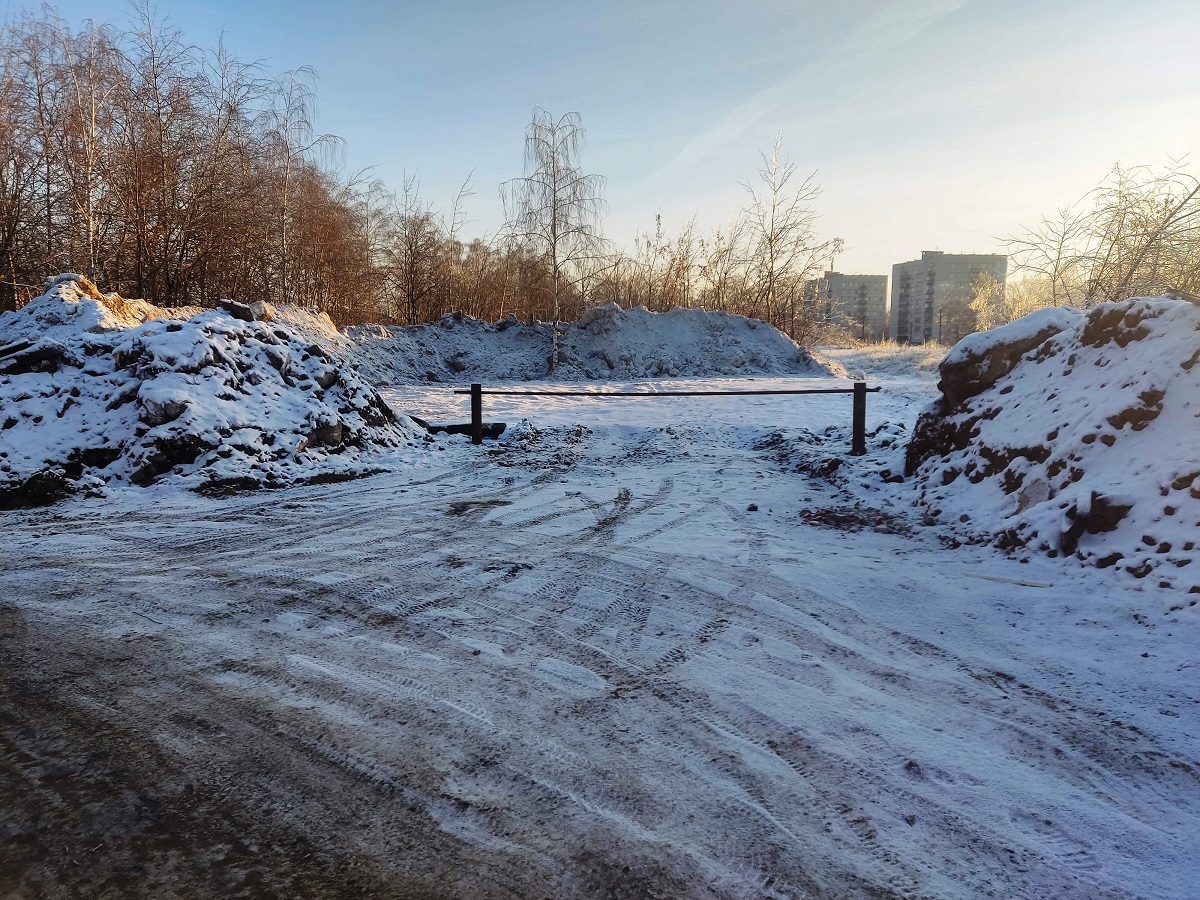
922	288
856	303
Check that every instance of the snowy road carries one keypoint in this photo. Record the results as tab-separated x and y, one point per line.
579	664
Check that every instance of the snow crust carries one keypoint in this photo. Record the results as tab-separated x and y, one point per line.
607	342
96	388
1103	416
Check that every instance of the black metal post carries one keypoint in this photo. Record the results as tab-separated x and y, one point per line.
477	413
858	443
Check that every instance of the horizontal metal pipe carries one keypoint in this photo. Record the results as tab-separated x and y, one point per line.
666	393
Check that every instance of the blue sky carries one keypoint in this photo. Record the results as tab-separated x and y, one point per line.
931	123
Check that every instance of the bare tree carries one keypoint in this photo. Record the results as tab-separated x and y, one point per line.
452	247
1148	233
292	135
987	302
413	252
554	208
1136	233
1052	251
722	268
784	247
682	265
956	317
18	181
649	251
92	66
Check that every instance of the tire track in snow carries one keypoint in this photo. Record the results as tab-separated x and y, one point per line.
669	616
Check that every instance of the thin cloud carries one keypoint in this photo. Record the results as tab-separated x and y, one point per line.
893	24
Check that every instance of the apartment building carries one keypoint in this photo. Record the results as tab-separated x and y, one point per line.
922	288
856	303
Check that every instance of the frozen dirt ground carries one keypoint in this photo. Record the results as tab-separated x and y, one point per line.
577	664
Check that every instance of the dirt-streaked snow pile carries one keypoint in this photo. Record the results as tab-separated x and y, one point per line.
606	343
1074	433
310	325
95	388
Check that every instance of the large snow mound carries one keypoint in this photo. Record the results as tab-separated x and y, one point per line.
95	388
607	342
1075	434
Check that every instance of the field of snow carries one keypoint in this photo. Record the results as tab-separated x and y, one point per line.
678	647
887	359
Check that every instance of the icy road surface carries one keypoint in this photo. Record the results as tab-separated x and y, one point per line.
579	664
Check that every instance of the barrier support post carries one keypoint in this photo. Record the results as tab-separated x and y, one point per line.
858	442
477	413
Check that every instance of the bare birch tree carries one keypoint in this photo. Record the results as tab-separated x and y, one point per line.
293	138
722	269
554	208
453	248
414	250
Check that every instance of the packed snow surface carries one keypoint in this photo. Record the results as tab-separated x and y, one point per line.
97	389
657	646
1087	446
607	342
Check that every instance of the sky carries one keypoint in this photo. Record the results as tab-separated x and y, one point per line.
930	124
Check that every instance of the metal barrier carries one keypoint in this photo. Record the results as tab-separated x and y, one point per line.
858	439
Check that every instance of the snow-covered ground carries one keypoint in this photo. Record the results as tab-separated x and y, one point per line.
672	647
887	359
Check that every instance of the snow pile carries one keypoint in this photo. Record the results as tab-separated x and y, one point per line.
96	388
456	348
606	343
311	325
609	342
1074	434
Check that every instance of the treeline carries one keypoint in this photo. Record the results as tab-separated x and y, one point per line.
184	176
1136	234
165	172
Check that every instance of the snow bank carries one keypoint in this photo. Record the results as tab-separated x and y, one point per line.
456	348
1075	434
606	343
95	388
311	324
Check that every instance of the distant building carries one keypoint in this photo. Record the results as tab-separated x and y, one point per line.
855	303
926	291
